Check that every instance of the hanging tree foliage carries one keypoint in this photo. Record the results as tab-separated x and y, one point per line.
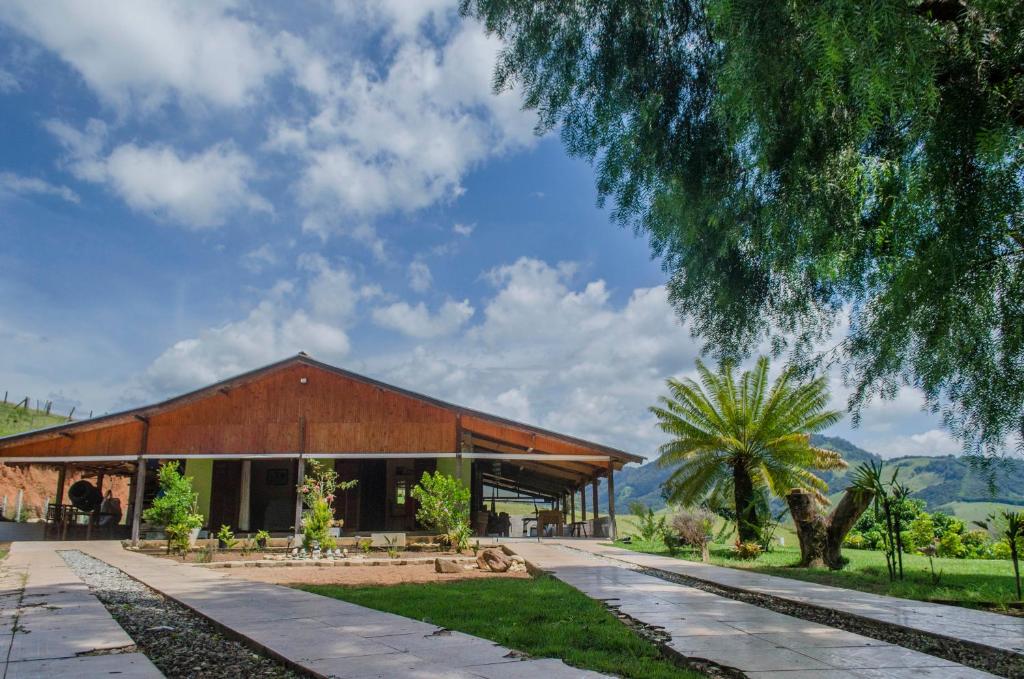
794	163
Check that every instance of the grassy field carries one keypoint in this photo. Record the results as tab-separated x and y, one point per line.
14	420
542	617
971	582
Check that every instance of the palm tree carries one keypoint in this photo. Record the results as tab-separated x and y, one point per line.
743	440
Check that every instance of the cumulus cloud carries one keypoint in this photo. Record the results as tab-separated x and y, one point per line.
464	229
311	315
420	277
402	140
16	185
259	259
198	190
138	54
418	321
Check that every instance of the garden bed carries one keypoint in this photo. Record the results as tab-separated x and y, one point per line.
282	557
303	573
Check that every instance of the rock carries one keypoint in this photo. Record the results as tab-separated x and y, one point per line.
518	559
447	566
493	560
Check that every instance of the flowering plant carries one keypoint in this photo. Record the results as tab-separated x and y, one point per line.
318	493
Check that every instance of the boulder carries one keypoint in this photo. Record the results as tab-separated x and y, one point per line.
493	560
447	566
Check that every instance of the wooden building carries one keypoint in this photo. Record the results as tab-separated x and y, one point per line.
245	442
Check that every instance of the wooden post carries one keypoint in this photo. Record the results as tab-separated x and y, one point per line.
612	530
3	508
597	508
17	510
572	507
61	480
583	502
139	489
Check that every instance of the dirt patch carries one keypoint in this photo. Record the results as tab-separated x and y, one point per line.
369	575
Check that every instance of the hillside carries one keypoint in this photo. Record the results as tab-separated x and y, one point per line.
945	483
38	482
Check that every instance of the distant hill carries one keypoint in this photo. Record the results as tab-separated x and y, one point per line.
945	483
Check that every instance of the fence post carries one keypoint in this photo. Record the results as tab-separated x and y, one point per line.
17	511
3	508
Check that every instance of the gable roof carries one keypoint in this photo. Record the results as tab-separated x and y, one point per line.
486	425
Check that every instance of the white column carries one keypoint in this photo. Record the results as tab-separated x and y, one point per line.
243	499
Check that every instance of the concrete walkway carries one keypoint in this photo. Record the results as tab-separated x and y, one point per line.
761	643
997	631
52	626
324	636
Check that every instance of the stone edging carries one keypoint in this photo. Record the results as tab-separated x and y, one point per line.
326	563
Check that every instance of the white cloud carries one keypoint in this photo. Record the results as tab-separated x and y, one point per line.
17	185
310	316
260	259
8	83
418	321
420	277
139	53
402	140
931	442
200	190
464	229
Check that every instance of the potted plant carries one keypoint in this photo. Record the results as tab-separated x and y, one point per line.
262	538
336	526
226	538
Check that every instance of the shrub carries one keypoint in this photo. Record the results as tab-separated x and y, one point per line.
693	528
317	491
951	546
855	541
747	550
205	555
977	544
444	507
651	527
175	508
921	533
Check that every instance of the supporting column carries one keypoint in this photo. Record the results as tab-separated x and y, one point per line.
139	488
299	478
613	532
61	479
243	496
572	507
583	502
140	481
597	508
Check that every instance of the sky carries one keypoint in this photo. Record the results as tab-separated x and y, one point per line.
192	190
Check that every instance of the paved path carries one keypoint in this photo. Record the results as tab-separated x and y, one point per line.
324	636
761	643
52	626
988	629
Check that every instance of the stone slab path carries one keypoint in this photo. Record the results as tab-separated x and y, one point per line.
987	629
52	626
323	636
761	643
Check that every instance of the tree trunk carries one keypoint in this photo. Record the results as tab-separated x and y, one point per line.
746	512
821	538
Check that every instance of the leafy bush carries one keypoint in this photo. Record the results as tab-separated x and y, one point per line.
317	491
175	508
262	539
747	550
444	507
651	527
855	541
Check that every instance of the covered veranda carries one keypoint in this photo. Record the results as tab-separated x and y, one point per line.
247	441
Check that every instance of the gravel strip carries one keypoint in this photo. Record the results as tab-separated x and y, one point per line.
180	642
985	658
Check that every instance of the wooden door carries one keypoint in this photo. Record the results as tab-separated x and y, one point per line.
225	494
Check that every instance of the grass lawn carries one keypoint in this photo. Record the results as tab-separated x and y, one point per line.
971	582
15	420
541	616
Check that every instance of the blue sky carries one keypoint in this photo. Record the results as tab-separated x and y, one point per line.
192	190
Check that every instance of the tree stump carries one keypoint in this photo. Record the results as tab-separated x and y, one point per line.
821	538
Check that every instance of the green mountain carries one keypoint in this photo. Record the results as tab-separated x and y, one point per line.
946	483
